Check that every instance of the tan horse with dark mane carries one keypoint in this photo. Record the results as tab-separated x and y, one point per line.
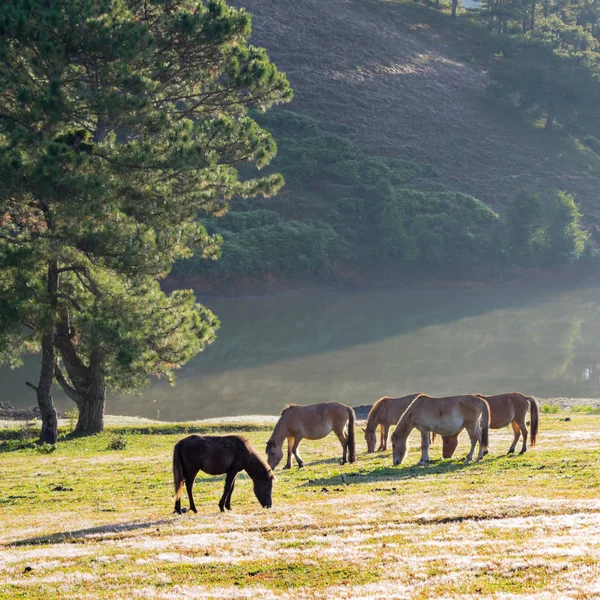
383	414
313	422
446	417
506	409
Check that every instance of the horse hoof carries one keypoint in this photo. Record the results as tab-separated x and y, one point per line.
285	468
511	451
522	452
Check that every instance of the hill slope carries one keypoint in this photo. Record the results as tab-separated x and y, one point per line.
408	81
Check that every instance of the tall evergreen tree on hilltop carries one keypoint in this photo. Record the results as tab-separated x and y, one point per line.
120	122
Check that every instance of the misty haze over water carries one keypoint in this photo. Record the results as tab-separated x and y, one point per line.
357	346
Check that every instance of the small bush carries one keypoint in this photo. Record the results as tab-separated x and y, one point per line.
584	408
46	448
72	416
593	143
550	409
117	442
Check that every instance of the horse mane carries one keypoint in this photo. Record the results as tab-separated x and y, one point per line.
408	412
374	411
255	466
287	407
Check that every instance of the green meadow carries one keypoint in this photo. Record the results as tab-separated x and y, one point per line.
91	518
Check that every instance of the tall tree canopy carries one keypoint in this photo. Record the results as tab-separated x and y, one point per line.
121	121
549	59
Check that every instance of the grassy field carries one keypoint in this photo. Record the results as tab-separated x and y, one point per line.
84	521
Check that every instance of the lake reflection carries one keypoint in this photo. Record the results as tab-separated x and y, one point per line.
356	347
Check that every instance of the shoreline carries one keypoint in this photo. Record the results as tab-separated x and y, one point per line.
562	403
484	277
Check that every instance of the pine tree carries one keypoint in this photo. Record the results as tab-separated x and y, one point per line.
121	121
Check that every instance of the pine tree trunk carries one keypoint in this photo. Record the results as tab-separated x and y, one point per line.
454	7
533	15
49	433
91	410
85	385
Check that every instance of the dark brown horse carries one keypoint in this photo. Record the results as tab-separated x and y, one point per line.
216	455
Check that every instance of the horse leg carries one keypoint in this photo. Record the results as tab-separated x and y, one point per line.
384	438
524	431
473	432
344	443
424	448
295	452
380	437
517	432
189	484
288	464
226	497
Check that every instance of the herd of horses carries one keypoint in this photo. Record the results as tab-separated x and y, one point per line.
431	416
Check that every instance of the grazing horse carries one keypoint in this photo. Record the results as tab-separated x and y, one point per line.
216	455
444	416
384	413
506	409
313	422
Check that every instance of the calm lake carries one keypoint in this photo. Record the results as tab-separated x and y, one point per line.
355	347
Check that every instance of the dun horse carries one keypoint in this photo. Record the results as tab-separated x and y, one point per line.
384	413
216	455
312	422
446	417
506	409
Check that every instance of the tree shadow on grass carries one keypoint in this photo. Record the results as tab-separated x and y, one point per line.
78	534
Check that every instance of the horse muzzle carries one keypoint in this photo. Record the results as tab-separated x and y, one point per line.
397	461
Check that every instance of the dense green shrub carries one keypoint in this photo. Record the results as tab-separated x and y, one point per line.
437	228
260	242
593	143
545	231
341	206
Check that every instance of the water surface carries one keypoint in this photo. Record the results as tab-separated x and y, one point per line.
358	346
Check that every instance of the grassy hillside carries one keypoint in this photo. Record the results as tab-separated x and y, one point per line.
87	521
395	155
405	80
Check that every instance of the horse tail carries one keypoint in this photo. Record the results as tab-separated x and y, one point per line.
433	436
535	420
178	476
485	426
351	437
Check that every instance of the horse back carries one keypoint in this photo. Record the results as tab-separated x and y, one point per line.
505	408
212	454
313	421
446	415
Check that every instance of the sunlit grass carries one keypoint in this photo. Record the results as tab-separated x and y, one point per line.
85	521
